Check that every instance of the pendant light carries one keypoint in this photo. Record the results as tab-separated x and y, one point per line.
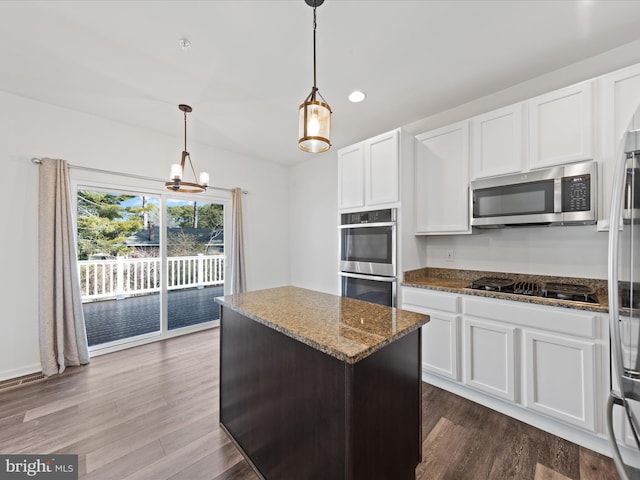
177	184
314	115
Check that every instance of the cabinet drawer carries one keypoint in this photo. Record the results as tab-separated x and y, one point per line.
429	300
555	319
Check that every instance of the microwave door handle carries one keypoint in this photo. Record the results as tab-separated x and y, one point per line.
557	195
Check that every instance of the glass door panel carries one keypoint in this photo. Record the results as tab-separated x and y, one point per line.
119	265
195	262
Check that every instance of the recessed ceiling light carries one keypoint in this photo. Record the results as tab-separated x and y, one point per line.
356	96
184	43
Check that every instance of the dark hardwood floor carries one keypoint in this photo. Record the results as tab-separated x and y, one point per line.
151	413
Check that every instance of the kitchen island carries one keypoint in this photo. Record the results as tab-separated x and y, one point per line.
316	386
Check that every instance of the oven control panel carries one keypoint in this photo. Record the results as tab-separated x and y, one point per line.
372	216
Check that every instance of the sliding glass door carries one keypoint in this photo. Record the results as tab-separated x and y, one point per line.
195	261
140	280
119	265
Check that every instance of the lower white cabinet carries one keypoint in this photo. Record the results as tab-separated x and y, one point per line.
490	357
440	345
547	361
441	336
560	377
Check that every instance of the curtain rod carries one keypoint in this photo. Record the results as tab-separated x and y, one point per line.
38	161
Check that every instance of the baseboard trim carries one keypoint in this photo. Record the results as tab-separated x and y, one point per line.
20	372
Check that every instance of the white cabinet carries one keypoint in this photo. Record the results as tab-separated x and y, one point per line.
554	357
381	169
557	127
442	180
560	373
548	362
351	177
620	98
561	126
368	173
497	142
490	357
440	337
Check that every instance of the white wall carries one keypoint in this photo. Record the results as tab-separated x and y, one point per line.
575	251
313	216
33	129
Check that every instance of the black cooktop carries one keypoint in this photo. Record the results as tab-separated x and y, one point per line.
559	291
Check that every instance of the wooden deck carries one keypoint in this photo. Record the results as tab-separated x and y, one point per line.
112	320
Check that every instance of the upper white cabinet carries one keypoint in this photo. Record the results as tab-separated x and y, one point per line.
497	142
351	177
368	173
552	129
561	126
442	180
620	97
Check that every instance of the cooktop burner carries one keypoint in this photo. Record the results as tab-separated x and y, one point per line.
568	291
494	284
560	291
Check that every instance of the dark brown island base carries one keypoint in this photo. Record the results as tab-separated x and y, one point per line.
316	386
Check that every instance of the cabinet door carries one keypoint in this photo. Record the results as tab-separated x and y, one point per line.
490	358
351	177
440	345
442	181
620	94
560	374
561	126
441	336
381	155
497	142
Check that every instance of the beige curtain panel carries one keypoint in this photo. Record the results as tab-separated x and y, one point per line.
63	337
238	275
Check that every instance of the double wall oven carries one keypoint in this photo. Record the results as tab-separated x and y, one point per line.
368	256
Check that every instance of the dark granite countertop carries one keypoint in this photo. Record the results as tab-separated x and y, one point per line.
347	329
457	281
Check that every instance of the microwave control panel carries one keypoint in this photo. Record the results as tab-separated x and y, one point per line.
576	193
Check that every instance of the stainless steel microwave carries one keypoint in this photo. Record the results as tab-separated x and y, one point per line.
563	195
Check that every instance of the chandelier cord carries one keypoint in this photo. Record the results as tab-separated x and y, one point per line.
186	153
185	131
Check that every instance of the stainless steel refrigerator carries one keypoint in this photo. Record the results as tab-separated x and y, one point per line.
623	407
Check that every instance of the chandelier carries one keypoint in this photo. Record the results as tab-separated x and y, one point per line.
177	184
314	115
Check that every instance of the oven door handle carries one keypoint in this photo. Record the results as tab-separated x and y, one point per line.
367	277
365	225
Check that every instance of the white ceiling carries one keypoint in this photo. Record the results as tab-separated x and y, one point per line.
250	63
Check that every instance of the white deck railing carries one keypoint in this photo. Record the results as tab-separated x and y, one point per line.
103	279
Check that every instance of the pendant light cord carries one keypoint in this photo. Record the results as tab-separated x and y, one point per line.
314	48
